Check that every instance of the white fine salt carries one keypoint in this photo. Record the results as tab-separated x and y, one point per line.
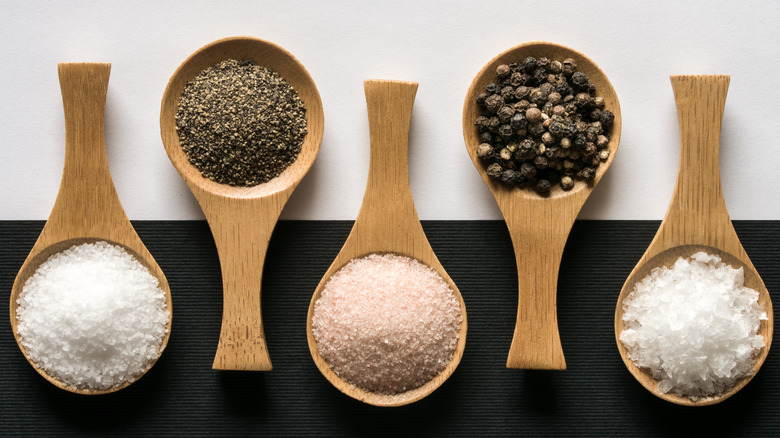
386	323
92	317
694	326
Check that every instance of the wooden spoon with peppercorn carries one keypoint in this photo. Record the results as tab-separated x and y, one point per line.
388	223
242	218
542	124
697	219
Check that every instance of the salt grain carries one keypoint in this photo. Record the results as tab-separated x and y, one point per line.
694	326
92	317
386	323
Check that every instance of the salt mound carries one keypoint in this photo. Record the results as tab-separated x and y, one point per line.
694	326
92	317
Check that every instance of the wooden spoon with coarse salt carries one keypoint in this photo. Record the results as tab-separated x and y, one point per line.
697	219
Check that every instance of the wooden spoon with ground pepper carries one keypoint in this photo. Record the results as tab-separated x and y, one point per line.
242	218
539	226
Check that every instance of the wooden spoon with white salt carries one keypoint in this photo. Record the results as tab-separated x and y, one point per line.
87	208
697	219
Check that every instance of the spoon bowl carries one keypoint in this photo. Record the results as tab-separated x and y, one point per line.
697	219
242	219
87	208
388	223
539	226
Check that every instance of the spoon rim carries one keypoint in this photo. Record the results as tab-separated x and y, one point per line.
263	53
372	398
666	257
515	54
38	255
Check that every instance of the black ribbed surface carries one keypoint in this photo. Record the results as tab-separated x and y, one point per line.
181	395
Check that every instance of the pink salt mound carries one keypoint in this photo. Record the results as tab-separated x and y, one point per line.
386	323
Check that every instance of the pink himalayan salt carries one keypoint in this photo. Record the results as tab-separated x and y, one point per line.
386	323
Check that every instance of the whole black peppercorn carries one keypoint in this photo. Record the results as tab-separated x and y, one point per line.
493	123
579	80
540	162
517	79
494	170
522	92
493	103
481	99
505	131
542	62
569	67
534	115
540	76
555	67
507	93
588	173
505	113
567	183
492	88
485	151
486	137
528	170
536	130
607	118
522	105
502	71
529	64
518	121
508	176
543	187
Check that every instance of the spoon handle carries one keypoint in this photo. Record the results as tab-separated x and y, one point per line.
86	190
539	232
698	209
242	229
388	208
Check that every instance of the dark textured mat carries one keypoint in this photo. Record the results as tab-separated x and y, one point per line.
181	395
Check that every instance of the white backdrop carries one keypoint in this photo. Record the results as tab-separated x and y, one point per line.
440	44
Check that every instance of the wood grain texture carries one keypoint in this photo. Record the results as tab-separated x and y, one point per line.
87	208
388	223
697	219
242	219
539	226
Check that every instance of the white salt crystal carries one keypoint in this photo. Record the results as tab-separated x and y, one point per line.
386	323
694	326
92	316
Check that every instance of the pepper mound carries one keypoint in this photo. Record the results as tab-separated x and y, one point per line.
541	124
386	323
240	124
694	326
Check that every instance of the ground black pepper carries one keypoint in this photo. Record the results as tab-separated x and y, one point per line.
541	124
240	124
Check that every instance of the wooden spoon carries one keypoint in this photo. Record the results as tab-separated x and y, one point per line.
697	219
87	208
387	223
242	218
539	226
